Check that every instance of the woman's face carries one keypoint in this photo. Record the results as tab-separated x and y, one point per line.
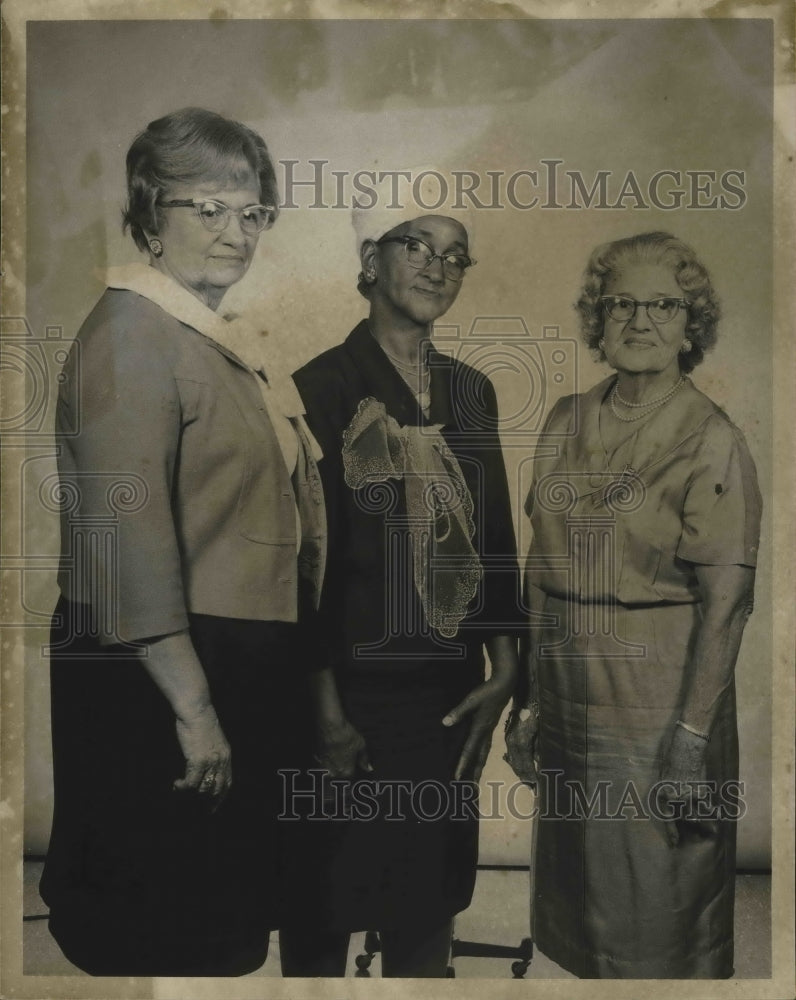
204	262
419	295
638	345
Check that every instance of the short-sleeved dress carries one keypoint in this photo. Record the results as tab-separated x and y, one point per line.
616	538
397	676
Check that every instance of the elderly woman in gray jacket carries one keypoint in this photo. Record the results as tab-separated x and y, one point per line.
192	550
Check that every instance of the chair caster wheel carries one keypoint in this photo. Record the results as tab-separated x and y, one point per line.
372	946
518	969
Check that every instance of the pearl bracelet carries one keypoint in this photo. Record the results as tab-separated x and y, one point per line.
694	732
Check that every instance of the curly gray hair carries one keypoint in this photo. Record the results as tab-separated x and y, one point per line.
689	272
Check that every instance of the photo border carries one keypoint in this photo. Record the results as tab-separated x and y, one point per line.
15	14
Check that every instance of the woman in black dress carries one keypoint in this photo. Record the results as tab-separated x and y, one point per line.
418	505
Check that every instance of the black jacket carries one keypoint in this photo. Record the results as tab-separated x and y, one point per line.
368	601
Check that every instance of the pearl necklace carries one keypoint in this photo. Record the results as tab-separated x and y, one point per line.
647	408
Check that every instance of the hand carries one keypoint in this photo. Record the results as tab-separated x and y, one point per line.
522	732
484	705
342	750
208	759
681	771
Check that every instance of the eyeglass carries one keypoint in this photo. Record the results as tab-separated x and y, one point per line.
214	215
622	308
421	256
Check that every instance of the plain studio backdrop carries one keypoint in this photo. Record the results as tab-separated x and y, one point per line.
502	99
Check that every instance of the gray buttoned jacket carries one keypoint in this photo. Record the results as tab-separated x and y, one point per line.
175	494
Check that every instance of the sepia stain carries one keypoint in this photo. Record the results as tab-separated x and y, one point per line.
91	169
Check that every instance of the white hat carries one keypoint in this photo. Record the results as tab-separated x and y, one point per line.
395	198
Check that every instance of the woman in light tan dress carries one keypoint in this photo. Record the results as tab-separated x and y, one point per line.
645	512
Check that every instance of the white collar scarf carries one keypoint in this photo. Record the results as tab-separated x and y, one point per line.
238	336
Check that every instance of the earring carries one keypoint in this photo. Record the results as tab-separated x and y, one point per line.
601	344
370	275
156	247
686	346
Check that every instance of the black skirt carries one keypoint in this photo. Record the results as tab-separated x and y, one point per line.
143	880
397	845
